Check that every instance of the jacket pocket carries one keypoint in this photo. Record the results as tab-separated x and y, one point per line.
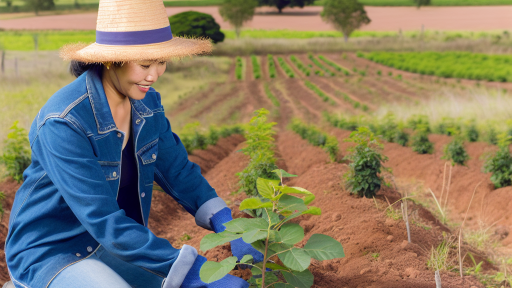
110	169
148	155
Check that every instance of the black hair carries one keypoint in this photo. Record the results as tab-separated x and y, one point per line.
77	68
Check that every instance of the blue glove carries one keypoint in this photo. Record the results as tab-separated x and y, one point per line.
238	247
192	280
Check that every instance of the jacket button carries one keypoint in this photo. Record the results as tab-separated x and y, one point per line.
143	194
114	174
153	156
89	249
119	134
138	121
78	254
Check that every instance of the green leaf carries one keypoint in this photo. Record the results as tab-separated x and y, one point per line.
274	236
271	217
246	259
308	199
254	235
323	247
313	211
254	203
215	239
303	279
241	225
259	245
291	233
281	173
255	271
283	285
213	271
266	187
294	190
279	247
292	204
296	259
275	267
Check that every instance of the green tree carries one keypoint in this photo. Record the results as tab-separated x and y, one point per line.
280	4
345	15
237	12
420	3
196	24
38	5
8	3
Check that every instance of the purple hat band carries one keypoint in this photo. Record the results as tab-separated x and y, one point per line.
134	37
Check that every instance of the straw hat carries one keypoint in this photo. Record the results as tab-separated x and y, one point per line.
133	30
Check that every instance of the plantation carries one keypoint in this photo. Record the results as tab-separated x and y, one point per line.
365	151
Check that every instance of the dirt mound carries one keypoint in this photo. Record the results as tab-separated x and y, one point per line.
212	155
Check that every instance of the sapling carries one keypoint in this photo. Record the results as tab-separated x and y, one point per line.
16	153
455	151
420	142
500	164
271	233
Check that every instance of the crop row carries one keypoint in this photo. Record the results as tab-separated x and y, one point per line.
316	138
193	138
300	65
334	65
320	65
271	96
464	65
285	67
239	68
319	92
354	103
271	66
256	68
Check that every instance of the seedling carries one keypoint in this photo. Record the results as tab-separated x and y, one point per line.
500	164
17	154
271	233
420	142
455	151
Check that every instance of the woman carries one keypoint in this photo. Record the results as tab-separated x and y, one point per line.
80	217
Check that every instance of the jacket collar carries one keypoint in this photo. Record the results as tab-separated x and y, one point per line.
100	107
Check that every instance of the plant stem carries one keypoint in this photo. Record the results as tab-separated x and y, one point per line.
263	270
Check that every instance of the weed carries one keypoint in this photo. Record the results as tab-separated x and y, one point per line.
16	155
185	237
440	257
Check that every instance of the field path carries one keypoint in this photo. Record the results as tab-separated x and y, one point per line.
474	18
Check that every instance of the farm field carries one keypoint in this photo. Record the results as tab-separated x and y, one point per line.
306	86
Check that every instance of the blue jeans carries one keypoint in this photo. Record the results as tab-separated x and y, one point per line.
103	270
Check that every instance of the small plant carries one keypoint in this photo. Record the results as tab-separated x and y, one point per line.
363	177
420	142
271	66
455	151
193	138
419	122
440	259
491	136
448	126
16	155
320	65
285	67
319	92
271	96
500	164
256	68
271	233
379	72
239	68
471	132
316	138
334	65
300	65
260	145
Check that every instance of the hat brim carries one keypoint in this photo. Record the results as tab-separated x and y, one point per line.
178	47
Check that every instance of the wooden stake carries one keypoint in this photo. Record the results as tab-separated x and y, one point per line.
438	279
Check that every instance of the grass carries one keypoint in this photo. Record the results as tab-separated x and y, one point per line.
42	74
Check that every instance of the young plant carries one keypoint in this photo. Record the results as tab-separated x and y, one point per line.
285	67
300	65
271	66
256	68
471	132
420	142
401	136
334	65
363	177
271	233
500	164
317	63
455	151
319	92
17	153
239	68
260	149
316	138
271	96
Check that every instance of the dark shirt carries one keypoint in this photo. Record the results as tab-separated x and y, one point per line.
128	197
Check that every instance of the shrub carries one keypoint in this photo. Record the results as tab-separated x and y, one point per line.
196	24
17	153
239	68
285	67
260	145
420	142
256	68
271	66
455	151
500	164
270	232
363	177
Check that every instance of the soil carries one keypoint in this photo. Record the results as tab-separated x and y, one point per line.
308	19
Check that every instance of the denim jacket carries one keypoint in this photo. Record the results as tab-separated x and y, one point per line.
67	207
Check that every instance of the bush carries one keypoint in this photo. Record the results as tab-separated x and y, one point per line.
420	142
363	177
455	151
17	154
500	164
196	24
401	137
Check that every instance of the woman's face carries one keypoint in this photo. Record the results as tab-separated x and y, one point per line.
133	79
